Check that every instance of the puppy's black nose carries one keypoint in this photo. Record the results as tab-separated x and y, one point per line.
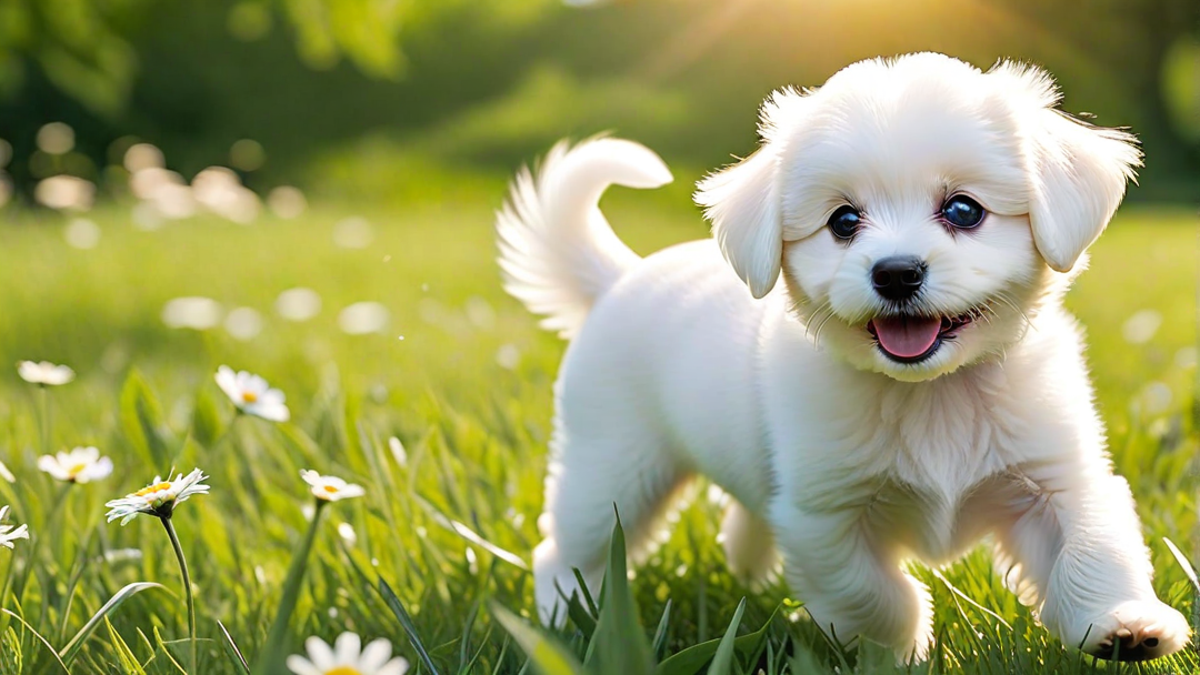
898	277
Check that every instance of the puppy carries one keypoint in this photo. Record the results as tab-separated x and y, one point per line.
911	386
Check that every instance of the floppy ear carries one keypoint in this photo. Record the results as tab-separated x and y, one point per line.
1080	172
743	204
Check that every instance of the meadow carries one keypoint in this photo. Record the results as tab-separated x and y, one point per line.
437	401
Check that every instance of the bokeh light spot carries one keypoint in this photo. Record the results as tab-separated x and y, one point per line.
197	313
287	202
56	138
353	232
82	233
244	323
247	155
362	318
65	193
1141	326
141	156
249	21
298	304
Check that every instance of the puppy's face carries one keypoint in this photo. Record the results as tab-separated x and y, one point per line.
916	254
920	210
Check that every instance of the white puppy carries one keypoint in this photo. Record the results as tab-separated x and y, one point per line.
913	385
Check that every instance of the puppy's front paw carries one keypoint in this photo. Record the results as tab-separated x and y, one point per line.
1137	631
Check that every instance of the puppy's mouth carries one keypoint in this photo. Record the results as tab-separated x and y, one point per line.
911	338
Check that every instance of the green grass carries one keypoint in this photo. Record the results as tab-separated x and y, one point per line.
475	435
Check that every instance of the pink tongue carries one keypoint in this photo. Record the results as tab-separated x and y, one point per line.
906	337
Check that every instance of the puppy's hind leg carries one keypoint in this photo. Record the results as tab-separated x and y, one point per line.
591	474
848	575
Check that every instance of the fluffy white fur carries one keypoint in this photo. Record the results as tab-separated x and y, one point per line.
844	460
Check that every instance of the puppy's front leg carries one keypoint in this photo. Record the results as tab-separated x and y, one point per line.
850	580
1077	540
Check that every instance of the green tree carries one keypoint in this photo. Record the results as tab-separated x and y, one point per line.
84	47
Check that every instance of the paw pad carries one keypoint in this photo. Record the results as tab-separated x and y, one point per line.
1123	645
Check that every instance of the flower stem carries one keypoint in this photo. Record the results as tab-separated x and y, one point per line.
44	404
271	655
35	547
187	586
227	433
64	493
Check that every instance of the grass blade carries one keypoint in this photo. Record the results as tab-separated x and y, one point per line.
464	643
39	637
206	419
659	644
161	645
722	663
126	659
270	659
619	645
503	653
805	660
546	656
472	536
689	661
953	589
68	653
235	654
406	623
1184	563
142	421
583	621
583	590
469	667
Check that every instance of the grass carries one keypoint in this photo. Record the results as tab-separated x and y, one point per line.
445	523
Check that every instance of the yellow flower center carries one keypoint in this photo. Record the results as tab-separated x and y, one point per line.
249	397
330	489
149	490
343	670
75	470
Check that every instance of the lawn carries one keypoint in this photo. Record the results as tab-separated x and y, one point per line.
460	377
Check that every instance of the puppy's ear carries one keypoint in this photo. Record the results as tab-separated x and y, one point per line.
743	204
1080	173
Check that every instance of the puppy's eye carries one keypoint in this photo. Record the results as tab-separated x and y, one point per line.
963	212
844	222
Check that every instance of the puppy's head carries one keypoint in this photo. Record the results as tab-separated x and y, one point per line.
919	209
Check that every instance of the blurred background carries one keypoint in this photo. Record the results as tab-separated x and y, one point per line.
353	99
279	182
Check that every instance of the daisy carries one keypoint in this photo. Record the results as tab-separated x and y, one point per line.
7	534
45	373
159	498
252	395
331	488
81	465
347	657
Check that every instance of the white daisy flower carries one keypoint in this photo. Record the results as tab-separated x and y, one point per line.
45	373
159	498
7	534
331	488
347	657
81	465
252	395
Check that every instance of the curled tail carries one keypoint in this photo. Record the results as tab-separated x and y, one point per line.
558	254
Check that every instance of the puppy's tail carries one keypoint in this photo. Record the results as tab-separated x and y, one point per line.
558	254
